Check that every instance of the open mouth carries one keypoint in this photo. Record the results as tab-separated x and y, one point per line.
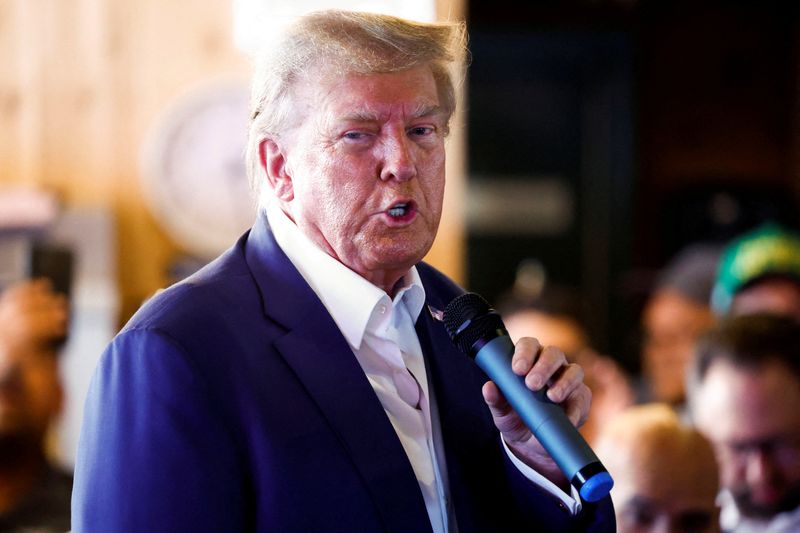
402	211
399	210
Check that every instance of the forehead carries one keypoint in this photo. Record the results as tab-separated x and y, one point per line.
673	478
333	96
554	330
674	507
748	403
776	295
669	309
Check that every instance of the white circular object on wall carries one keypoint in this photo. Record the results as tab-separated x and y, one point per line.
193	168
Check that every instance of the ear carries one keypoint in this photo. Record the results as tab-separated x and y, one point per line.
273	161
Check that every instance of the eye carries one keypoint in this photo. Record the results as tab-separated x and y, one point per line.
421	131
643	518
694	521
636	517
354	135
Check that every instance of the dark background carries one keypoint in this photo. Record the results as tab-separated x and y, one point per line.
668	122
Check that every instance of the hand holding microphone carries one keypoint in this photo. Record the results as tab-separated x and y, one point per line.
564	386
479	332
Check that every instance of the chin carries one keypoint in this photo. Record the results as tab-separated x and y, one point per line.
765	510
398	262
397	255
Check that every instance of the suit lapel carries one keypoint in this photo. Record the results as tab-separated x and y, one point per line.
322	360
460	406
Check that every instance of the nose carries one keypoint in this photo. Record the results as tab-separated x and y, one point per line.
398	158
761	469
662	524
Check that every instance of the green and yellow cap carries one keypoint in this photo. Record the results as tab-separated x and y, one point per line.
769	250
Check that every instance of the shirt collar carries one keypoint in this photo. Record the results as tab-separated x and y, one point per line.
351	300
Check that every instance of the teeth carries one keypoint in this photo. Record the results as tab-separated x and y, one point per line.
398	210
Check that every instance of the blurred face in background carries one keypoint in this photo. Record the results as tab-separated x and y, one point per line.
774	295
752	416
672	324
550	330
611	391
665	474
666	494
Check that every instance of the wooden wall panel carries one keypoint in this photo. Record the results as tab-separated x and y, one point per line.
76	93
449	250
169	47
81	83
20	91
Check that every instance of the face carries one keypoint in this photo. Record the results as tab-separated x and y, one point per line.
550	330
672	323
361	172
776	295
644	515
30	391
665	489
751	417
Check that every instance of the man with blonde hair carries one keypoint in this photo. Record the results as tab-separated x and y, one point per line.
664	471
301	382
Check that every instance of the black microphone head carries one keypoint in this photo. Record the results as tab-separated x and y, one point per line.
469	318
462	309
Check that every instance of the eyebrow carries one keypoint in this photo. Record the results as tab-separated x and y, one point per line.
365	115
640	503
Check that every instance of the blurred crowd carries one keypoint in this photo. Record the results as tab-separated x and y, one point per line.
705	438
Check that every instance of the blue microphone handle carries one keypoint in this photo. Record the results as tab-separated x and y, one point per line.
546	420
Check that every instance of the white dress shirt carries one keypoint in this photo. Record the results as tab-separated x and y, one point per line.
733	521
380	331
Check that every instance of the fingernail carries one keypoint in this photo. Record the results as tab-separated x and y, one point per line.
534	382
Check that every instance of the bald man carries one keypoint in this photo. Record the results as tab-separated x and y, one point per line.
664	471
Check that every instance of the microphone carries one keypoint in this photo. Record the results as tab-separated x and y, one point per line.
478	331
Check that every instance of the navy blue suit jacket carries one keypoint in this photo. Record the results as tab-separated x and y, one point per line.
231	402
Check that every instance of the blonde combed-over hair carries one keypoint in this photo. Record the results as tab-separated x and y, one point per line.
349	43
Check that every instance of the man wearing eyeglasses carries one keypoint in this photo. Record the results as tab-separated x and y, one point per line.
744	394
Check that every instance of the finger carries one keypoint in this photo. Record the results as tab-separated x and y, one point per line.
526	352
60	321
29	291
24	296
45	301
505	418
564	382
578	404
498	405
550	360
54	303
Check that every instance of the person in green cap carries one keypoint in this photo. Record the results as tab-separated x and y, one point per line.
760	272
